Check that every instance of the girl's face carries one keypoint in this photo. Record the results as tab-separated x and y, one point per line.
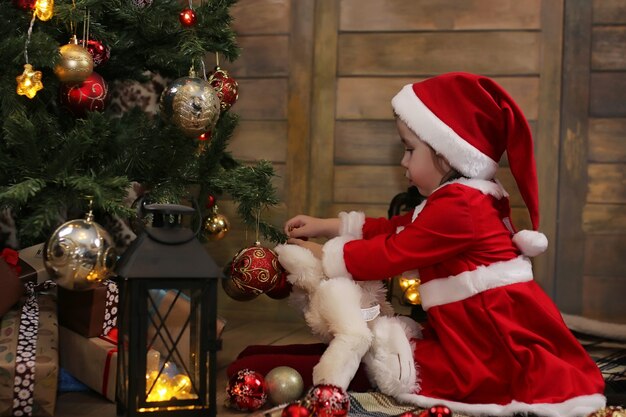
423	169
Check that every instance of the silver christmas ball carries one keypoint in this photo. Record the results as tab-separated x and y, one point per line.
79	254
191	104
284	385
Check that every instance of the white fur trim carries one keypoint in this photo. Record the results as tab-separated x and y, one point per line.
530	242
469	283
486	187
352	224
575	407
332	259
422	121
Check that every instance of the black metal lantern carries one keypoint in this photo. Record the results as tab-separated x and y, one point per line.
167	341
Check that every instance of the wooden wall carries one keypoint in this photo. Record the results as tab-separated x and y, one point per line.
317	77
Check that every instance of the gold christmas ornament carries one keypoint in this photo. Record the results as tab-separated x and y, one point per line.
75	64
191	104
284	385
29	82
44	9
406	282
412	294
611	411
215	225
79	254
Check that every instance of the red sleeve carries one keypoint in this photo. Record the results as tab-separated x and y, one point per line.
373	227
443	229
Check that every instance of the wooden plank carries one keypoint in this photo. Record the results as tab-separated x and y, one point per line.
606	183
323	106
404	54
261	17
608	48
370	210
367	142
262	57
370	97
604	256
609	12
608	90
572	171
368	183
299	107
258	139
507	180
604	218
264	99
402	15
607	140
603	298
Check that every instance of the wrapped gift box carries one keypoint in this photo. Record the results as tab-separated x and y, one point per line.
31	264
90	313
46	358
12	288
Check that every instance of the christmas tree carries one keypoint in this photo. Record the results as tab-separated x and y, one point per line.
63	145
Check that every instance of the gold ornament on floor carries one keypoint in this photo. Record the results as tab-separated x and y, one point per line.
284	384
75	64
611	411
191	104
215	225
29	82
79	254
410	288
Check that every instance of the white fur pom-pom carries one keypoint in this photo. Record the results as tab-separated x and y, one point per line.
530	242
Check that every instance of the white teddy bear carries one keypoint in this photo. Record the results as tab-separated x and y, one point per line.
356	321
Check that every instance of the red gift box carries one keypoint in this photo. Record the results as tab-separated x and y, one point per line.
91	312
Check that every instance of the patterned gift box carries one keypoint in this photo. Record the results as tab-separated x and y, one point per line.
29	387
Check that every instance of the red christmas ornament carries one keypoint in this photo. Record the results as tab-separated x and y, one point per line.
187	17
25	4
253	271
226	86
282	289
327	401
210	201
410	414
295	410
205	136
436	411
90	95
246	390
99	51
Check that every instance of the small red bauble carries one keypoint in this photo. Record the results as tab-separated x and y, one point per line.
210	201
326	400
282	289
226	86
295	410
25	4
253	271
246	390
90	95
205	136
98	50
187	17
436	411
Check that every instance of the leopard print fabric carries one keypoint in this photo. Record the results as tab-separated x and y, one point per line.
126	95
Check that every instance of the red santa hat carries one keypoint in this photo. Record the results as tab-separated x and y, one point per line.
472	121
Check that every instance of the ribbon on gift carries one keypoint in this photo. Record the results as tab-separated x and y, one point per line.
110	337
11	257
110	307
24	382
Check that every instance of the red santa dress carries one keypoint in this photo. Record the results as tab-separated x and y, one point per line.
495	344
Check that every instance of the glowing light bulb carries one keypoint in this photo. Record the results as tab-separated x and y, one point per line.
29	82
412	295
44	9
405	282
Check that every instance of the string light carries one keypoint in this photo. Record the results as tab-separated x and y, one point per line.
44	9
30	81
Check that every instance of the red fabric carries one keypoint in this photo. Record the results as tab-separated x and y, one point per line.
302	358
11	257
373	227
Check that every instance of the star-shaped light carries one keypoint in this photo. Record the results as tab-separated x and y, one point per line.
29	82
43	9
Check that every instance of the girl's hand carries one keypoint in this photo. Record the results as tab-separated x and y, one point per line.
315	248
302	226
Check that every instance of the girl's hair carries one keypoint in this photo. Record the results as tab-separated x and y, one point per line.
442	164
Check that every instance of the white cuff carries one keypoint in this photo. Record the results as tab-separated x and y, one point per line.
352	224
332	258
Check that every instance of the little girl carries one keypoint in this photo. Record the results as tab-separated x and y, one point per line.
494	342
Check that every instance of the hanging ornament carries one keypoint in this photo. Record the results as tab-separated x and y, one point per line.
215	225
246	391
255	270
611	411
79	254
226	86
295	409
205	137
412	294
24	4
75	64
326	400
284	384
436	411
191	104
44	9
29	82
210	201
187	17
90	95
233	289
282	289
98	50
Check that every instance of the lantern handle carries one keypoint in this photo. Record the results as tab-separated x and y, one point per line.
169	233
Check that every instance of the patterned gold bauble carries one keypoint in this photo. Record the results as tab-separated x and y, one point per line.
79	254
611	411
191	104
75	63
215	225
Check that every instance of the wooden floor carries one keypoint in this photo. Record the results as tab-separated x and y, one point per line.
238	334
